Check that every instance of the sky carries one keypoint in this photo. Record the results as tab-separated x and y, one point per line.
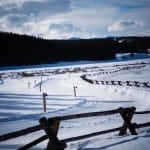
64	19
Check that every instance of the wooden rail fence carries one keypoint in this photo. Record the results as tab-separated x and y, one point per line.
104	72
51	127
120	83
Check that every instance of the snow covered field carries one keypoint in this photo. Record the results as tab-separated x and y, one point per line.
21	103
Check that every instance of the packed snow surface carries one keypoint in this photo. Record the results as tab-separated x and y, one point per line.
21	103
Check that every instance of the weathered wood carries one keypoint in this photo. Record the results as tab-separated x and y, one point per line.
51	131
74	91
147	124
29	85
127	115
137	83
102	132
120	83
107	82
102	82
142	112
91	114
40	85
96	82
113	82
51	127
145	84
22	132
128	83
44	101
33	143
90	135
40	127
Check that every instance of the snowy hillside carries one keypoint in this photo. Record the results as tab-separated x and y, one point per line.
21	102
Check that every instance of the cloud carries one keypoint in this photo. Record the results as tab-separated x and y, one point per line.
30	16
134	3
66	27
65	30
8	4
90	18
37	8
121	25
62	30
81	18
17	19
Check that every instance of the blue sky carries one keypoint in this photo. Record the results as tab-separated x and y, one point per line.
62	19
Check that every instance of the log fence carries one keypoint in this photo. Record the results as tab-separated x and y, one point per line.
51	127
120	83
126	68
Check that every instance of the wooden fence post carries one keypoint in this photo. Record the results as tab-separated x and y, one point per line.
40	86
128	83
74	89
102	82
41	83
96	82
44	101
120	83
136	83
127	115
107	82
113	82
145	84
51	131
29	85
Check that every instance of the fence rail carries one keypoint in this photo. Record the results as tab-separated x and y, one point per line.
114	82
102	132
51	127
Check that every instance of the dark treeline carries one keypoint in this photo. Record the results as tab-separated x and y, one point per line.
27	50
